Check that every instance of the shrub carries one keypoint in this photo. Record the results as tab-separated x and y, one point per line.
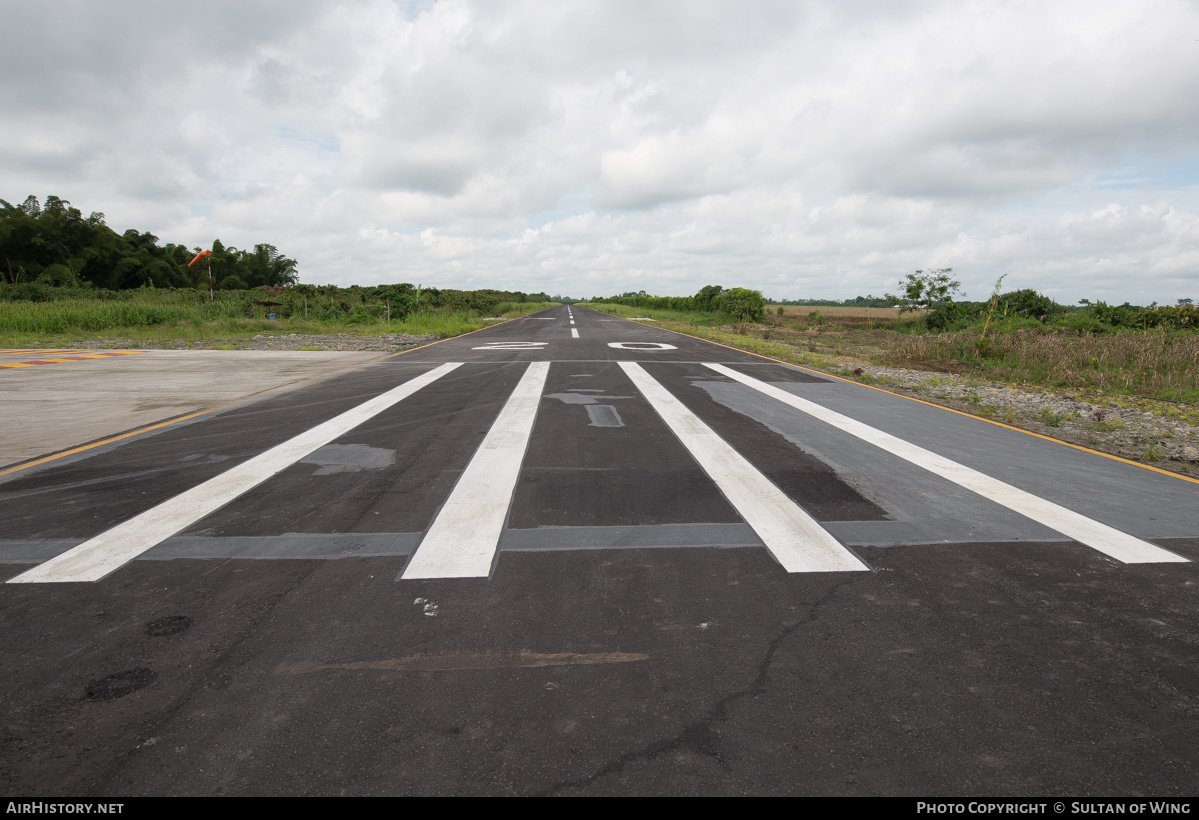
743	304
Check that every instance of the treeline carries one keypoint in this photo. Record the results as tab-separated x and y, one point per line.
933	292
56	246
931	296
394	301
740	303
1026	307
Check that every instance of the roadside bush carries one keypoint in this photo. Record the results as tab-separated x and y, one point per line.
743	304
1028	304
948	316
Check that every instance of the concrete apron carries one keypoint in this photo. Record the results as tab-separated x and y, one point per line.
56	405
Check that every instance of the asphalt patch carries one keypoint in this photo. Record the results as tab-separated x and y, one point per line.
119	685
807	480
170	625
617	468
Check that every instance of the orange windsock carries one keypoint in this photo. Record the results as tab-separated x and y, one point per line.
199	256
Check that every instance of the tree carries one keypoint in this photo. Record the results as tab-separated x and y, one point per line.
53	243
1028	303
707	296
743	304
266	266
930	289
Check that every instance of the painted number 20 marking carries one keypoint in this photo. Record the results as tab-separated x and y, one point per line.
511	346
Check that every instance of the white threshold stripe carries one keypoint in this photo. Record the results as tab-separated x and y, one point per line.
93	559
1112	542
792	536
574	333
463	539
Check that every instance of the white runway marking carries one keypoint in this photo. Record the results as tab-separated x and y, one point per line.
574	333
648	347
511	346
1119	545
466	533
792	536
92	560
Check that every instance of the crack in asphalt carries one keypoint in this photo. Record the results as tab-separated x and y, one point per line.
700	736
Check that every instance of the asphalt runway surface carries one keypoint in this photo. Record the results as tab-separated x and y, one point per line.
573	554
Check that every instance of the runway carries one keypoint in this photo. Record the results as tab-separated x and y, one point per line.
577	554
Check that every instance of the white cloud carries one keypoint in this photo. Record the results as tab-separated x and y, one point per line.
808	149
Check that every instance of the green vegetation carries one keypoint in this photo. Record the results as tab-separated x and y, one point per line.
55	246
933	293
65	277
159	314
684	317
927	290
737	304
1051	419
1018	337
1161	362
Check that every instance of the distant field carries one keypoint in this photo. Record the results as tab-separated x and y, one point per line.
838	312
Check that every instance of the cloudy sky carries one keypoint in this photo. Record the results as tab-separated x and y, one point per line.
804	149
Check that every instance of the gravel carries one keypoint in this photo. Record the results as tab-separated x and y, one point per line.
294	341
1164	440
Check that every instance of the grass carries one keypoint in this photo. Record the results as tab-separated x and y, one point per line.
149	321
1158	364
682	321
1050	418
687	317
1140	369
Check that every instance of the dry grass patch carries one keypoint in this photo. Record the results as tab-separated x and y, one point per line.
1156	363
836	312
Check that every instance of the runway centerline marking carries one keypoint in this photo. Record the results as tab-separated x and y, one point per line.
464	538
95	558
793	537
1111	542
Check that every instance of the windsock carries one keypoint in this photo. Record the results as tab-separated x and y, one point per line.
199	256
